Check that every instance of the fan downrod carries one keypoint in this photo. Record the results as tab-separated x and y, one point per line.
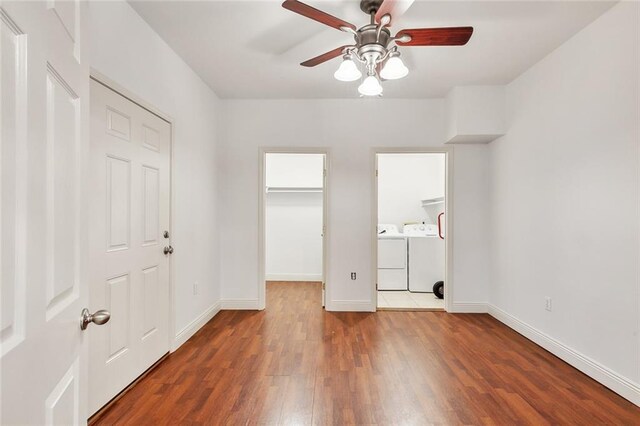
370	6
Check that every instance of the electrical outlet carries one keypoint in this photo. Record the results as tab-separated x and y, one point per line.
547	303
195	288
353	275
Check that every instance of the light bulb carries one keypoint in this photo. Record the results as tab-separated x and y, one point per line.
370	86
394	69
348	71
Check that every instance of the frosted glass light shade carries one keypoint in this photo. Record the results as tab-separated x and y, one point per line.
370	86
394	69
348	71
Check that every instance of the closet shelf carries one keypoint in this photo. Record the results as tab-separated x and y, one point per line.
293	189
432	201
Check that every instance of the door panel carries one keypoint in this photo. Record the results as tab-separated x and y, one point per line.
12	167
130	207
43	156
62	197
118	203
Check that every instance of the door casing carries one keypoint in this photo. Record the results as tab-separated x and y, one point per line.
262	212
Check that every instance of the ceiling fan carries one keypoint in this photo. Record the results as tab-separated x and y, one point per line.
373	42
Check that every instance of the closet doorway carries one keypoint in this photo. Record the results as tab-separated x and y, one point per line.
293	221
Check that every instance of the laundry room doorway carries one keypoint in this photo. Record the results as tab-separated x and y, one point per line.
293	222
411	227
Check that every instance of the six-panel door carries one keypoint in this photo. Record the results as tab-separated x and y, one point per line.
44	83
130	150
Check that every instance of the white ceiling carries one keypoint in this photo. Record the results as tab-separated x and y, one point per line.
252	49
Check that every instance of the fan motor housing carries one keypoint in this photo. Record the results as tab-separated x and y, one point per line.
369	35
370	6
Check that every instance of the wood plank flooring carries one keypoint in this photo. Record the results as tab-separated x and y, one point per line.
297	364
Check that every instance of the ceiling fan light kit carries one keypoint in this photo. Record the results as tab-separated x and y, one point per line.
394	68
348	70
370	86
373	45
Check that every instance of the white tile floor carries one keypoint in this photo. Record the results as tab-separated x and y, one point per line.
408	300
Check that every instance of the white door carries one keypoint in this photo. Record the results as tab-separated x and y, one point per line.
324	229
43	252
130	156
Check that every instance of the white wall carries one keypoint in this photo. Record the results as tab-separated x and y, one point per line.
294	170
475	114
565	200
349	128
125	49
293	220
404	180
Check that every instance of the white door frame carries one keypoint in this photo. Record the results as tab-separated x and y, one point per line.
262	212
448	215
109	83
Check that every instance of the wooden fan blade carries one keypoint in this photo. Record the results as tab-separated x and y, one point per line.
324	57
454	36
316	15
393	8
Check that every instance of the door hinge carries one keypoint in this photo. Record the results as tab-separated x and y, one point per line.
376	172
324	286
324	172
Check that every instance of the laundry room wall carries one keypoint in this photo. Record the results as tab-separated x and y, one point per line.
404	180
350	129
293	217
565	202
125	49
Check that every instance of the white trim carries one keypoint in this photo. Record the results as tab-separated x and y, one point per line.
241	304
621	385
123	91
262	276
469	308
293	277
448	152
350	306
195	325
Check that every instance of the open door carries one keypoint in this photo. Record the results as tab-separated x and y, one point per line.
44	122
324	230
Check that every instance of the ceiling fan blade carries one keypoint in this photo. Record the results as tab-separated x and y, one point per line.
393	8
454	36
324	57
316	15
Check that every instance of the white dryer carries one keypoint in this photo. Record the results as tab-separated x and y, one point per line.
392	258
426	257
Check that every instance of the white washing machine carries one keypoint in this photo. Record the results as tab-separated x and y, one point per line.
426	253
392	258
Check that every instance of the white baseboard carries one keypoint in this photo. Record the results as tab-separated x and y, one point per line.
621	385
241	304
469	308
195	325
293	277
350	306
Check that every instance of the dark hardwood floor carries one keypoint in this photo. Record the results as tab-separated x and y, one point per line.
297	364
